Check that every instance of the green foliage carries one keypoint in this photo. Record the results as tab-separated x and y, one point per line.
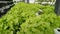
22	19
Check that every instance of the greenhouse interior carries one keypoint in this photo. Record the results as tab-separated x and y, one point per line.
29	16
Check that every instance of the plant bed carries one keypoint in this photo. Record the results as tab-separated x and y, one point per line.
22	19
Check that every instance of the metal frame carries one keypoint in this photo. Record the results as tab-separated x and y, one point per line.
8	5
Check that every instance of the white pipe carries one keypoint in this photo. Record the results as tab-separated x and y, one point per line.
56	31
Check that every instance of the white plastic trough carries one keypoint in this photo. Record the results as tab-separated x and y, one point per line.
57	31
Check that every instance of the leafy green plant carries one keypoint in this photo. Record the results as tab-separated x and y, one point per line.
22	19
